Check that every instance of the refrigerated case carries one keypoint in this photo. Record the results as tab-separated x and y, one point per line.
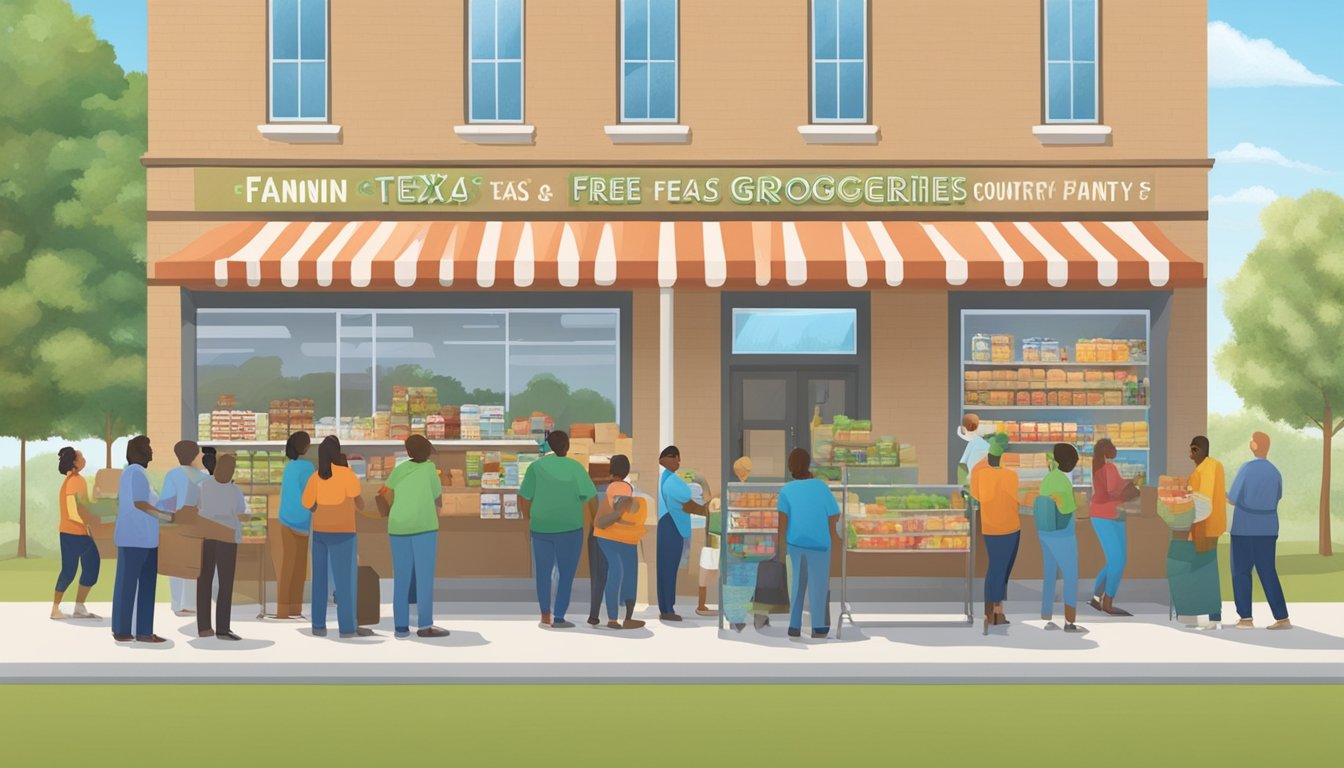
750	536
900	520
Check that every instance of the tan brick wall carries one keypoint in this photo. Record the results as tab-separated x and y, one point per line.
698	382
1187	376
910	370
950	81
165	238
164	370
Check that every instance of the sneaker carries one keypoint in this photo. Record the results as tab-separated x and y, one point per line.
614	625
123	638
1281	624
1209	627
1051	626
1246	624
1075	629
401	633
562	624
360	632
56	615
319	631
795	632
83	613
820	634
431	632
185	612
669	617
706	612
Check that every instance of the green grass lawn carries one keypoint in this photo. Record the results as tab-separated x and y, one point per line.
506	725
34	579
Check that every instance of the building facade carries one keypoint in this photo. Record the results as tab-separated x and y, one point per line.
710	221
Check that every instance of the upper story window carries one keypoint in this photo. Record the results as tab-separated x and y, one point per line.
839	61
298	60
1071	73
648	61
495	74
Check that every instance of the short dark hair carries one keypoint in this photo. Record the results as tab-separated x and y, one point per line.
419	448
670	452
297	445
620	465
1066	457
1202	443
137	450
66	458
186	451
559	442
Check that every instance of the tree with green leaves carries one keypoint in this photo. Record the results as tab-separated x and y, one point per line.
72	230
1286	306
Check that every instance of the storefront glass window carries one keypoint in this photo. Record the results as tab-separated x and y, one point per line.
251	358
566	364
795	331
649	60
1071	61
460	355
298	60
356	368
839	61
495	31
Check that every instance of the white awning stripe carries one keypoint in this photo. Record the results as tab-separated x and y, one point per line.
488	254
289	263
1159	266
795	259
525	263
1012	261
250	255
890	253
716	264
404	267
1108	267
568	258
856	269
604	270
1056	266
667	254
333	249
958	269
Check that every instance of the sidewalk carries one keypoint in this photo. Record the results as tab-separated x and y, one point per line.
504	644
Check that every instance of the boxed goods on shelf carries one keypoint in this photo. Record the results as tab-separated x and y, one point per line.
510	507
492	506
753	500
752	546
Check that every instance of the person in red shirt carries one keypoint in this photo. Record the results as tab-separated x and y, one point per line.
1109	491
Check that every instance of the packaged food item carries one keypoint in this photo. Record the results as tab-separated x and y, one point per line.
1119	351
1001	348
1049	351
1031	350
980	348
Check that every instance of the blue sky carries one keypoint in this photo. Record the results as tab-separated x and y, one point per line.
123	24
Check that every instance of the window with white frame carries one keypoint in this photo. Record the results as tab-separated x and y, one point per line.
495	69
298	60
648	61
1071	72
839	61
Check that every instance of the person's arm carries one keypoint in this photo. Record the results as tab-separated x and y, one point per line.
438	491
140	496
82	505
1102	493
352	489
613	516
309	499
240	505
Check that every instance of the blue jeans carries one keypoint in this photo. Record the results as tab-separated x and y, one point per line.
1002	551
1111	535
670	543
622	574
556	551
413	559
334	558
133	590
1254	553
811	579
77	552
1059	553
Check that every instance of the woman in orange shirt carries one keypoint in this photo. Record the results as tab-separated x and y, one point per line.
333	495
78	550
996	488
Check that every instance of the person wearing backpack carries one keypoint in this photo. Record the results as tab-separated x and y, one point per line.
618	527
1054	512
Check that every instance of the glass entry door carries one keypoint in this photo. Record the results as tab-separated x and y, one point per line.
771	413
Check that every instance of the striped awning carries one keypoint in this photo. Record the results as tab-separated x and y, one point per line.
552	255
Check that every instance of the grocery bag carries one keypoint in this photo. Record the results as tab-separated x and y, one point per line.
1048	516
772	587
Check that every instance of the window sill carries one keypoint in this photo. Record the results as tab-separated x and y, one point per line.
839	133
510	133
1065	135
301	133
649	133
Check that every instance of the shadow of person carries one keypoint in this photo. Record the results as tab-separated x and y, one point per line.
215	644
456	639
1296	639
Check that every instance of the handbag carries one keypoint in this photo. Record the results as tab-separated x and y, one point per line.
1047	514
772	584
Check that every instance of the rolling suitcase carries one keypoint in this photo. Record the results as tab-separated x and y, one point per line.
367	601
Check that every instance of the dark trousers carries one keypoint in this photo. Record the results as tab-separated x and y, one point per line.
597	576
216	557
77	552
1002	551
1256	553
133	590
670	544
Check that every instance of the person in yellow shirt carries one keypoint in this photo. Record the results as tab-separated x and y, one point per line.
996	489
333	493
1208	482
78	550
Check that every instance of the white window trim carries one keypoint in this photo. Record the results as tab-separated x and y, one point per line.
271	61
1064	134
522	70
840	133
1071	61
648	60
301	133
496	133
649	133
812	69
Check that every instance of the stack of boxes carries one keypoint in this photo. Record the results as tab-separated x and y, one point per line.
492	422
289	416
228	424
470	422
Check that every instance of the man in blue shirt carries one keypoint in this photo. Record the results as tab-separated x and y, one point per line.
1254	499
137	538
674	529
806	507
181	489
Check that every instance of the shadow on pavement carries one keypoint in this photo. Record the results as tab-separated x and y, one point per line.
1295	639
215	644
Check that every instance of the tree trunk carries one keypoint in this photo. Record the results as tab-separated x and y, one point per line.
107	438
23	496
1327	434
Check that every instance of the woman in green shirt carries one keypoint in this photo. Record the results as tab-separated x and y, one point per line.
413	528
1054	512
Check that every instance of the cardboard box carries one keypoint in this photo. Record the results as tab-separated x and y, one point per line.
106	484
624	446
179	554
606	432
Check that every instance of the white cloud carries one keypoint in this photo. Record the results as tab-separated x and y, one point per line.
1237	61
1246	152
1256	195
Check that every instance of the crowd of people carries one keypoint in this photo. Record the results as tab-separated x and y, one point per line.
319	504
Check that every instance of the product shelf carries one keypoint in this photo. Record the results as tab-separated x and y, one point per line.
1046	364
463	444
1131	408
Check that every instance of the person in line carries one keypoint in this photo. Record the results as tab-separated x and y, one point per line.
79	553
222	502
333	493
1054	512
1209	483
553	498
996	490
675	506
1254	498
977	448
180	490
618	527
137	538
296	522
598	568
1109	491
413	529
806	506
209	455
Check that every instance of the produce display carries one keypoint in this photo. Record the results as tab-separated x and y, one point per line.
254	528
1055	387
753	520
750	500
909	543
1002	348
851	442
884	526
1175	502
